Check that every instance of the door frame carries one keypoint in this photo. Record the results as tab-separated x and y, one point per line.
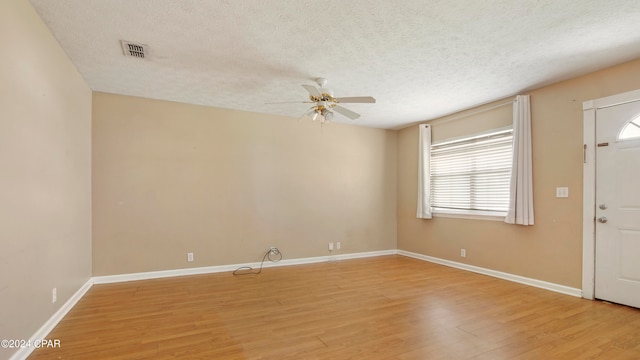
589	109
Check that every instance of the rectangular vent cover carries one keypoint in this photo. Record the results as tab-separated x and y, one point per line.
133	49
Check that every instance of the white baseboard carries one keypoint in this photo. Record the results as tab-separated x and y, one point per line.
301	261
498	274
227	268
45	329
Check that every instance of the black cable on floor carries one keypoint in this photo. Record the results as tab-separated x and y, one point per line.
248	270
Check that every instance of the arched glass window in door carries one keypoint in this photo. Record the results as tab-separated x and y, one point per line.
631	130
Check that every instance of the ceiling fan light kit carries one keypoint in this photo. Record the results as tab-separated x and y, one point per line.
327	114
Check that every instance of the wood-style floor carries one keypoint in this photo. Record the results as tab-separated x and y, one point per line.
389	307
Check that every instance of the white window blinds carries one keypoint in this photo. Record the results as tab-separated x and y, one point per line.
472	174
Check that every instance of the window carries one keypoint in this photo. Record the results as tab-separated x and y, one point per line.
631	130
471	176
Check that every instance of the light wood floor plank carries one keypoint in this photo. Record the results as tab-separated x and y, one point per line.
389	307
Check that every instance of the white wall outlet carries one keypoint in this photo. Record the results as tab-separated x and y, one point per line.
463	252
562	192
54	295
338	245
189	256
330	246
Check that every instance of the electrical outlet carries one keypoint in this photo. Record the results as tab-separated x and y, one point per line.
330	246
463	252
54	295
338	245
189	256
274	250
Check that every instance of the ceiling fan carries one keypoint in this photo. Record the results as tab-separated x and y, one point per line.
325	104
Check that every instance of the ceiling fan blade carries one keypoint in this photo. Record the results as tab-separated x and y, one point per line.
357	99
312	90
290	102
346	112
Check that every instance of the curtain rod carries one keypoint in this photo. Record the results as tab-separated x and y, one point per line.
472	113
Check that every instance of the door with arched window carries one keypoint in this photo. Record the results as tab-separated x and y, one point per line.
617	275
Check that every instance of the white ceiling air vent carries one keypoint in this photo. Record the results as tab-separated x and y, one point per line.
134	49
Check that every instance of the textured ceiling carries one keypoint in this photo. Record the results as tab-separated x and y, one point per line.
420	59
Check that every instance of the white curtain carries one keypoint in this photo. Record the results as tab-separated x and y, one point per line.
521	196
424	179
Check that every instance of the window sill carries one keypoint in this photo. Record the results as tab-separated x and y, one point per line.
465	214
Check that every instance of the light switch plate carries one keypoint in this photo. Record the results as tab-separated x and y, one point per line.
562	192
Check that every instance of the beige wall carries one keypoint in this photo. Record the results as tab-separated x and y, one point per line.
45	162
171	178
551	250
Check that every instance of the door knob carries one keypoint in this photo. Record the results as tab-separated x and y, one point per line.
603	219
603	206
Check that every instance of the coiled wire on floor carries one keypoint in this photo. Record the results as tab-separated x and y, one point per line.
248	270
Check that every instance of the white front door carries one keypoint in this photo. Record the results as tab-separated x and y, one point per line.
617	275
